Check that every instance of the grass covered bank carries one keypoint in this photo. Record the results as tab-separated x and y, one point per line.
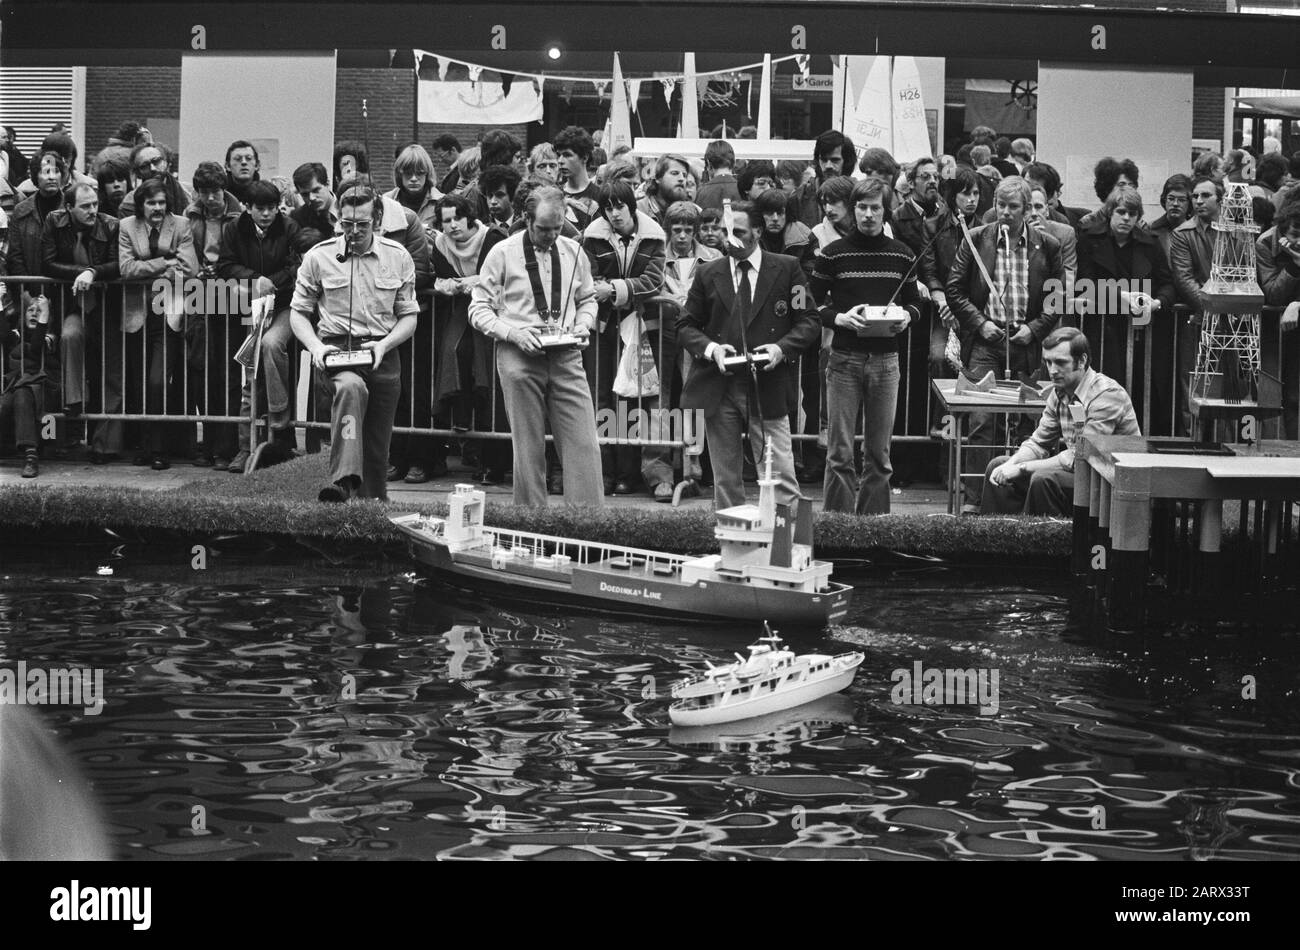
282	501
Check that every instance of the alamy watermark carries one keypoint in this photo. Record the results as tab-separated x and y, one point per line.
1108	298
196	296
53	686
933	686
630	426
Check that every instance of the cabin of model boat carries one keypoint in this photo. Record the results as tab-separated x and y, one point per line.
463	529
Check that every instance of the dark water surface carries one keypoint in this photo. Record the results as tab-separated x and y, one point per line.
310	710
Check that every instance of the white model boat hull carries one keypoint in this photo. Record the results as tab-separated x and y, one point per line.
752	706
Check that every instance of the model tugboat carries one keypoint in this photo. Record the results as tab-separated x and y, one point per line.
770	679
765	569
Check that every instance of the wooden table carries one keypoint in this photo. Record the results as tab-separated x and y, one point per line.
961	406
1116	479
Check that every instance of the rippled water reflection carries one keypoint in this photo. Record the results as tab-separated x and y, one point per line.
318	712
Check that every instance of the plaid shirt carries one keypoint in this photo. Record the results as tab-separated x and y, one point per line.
1098	406
1011	274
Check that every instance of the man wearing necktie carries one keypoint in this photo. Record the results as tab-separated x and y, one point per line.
533	271
754	299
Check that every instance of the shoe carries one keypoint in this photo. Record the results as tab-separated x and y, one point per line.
416	475
220	464
491	477
397	472
203	460
622	487
30	467
238	463
688	488
141	458
555	483
663	492
335	494
97	457
160	463
72	411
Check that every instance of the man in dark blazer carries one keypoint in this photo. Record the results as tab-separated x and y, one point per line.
760	300
1025	265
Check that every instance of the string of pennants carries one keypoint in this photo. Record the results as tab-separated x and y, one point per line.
667	84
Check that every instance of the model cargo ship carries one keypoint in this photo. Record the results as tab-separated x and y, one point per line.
765	569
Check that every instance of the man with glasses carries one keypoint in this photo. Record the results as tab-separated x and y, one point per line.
151	161
357	292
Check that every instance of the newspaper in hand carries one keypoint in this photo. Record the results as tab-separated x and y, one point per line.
260	314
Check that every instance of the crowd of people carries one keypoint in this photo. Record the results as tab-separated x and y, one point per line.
654	271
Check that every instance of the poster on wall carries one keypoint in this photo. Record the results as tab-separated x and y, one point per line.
479	103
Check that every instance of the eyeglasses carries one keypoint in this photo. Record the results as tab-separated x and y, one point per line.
153	163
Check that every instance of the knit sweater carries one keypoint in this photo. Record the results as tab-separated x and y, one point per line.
858	269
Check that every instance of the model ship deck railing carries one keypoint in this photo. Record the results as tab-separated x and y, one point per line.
584	552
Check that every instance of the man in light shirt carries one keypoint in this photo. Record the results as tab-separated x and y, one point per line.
1038	480
360	287
532	271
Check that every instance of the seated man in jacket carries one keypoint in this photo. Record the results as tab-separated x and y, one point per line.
1039	478
1005	322
258	248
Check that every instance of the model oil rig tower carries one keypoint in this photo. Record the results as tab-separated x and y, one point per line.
1227	361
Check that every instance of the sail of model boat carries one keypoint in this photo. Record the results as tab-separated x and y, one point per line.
911	134
869	122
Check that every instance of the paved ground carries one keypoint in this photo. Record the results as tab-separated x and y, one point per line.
72	472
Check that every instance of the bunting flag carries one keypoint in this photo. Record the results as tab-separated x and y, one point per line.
443	63
633	93
804	63
620	122
690	128
668	85
765	99
475	72
600	85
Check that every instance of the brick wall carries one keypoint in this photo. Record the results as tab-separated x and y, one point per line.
467	135
390	101
115	94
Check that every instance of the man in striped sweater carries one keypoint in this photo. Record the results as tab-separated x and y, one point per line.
865	268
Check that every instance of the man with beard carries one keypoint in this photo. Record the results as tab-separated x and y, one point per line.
922	208
530	272
833	155
667	186
1176	199
78	243
152	161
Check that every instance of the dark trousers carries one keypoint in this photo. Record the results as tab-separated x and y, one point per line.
105	368
155	361
414	406
363	404
1044	492
986	357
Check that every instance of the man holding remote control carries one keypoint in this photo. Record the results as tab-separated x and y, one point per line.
866	279
752	301
360	288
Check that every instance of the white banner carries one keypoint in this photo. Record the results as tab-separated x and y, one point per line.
481	103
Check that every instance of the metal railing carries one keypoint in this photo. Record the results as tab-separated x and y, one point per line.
160	375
